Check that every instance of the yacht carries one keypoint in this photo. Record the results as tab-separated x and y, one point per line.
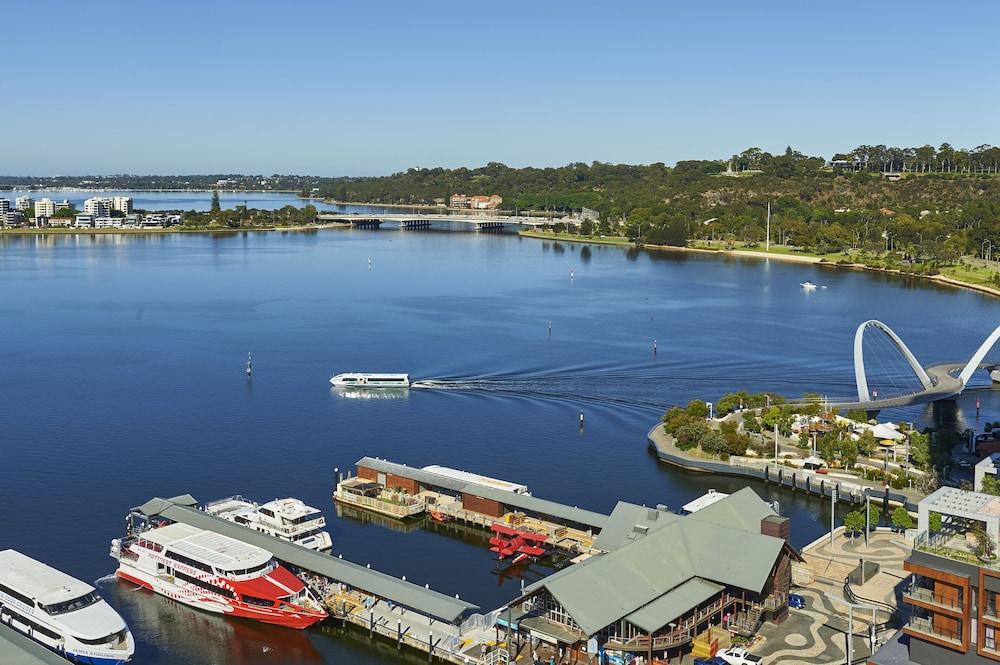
288	519
364	380
61	612
808	286
216	573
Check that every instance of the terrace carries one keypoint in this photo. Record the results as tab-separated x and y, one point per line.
960	525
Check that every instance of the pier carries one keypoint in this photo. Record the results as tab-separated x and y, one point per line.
442	626
17	649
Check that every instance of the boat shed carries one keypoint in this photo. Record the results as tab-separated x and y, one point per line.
478	497
431	603
18	649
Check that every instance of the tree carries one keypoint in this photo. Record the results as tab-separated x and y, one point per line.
697	409
714	442
858	415
216	205
934	522
751	423
901	518
986	548
867	443
848	452
874	514
854	522
991	485
920	450
690	435
587	227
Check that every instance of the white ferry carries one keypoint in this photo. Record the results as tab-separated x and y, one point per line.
288	519
216	573
61	612
362	380
808	286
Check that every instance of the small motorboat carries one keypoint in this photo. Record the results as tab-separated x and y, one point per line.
808	286
438	516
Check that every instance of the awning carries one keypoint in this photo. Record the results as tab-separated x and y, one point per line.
549	631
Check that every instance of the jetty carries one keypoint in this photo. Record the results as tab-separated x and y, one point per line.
411	615
18	649
401	491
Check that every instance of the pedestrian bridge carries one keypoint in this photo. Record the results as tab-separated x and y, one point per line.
417	221
938	382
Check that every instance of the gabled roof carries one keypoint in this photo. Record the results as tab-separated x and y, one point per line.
652	575
741	510
629	522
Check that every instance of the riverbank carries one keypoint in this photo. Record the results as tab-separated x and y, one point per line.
572	237
32	231
850	491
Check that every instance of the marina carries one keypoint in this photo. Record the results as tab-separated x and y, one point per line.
288	519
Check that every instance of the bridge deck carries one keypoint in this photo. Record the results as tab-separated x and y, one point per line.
945	386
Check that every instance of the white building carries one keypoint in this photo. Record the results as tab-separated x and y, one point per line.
987	466
45	208
84	221
122	204
24	203
97	206
107	222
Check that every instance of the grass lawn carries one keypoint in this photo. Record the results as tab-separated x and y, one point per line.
573	237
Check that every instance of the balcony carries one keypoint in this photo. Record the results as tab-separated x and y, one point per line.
955	545
928	597
924	627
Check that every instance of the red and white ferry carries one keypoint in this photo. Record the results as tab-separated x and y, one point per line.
216	573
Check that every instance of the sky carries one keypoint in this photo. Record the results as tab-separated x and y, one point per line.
370	88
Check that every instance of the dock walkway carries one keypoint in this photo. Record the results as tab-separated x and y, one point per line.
18	649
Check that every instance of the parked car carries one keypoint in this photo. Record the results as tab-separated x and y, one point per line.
740	656
715	660
796	602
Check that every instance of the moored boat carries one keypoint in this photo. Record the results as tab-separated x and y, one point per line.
216	573
288	519
61	612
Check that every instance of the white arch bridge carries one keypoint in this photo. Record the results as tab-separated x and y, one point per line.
938	382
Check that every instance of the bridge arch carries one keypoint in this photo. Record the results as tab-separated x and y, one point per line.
978	356
861	377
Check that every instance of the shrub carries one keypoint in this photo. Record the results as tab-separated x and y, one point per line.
934	522
714	442
690	435
901	518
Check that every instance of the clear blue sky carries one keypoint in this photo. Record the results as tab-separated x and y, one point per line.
367	88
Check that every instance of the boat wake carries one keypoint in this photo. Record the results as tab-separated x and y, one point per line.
107	579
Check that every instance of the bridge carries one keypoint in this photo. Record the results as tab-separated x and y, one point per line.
938	382
423	221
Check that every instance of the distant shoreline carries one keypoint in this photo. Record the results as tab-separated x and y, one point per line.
31	231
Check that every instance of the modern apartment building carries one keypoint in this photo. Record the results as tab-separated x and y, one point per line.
122	204
97	206
4	206
24	203
45	208
954	585
477	202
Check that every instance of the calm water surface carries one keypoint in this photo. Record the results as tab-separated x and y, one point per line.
122	378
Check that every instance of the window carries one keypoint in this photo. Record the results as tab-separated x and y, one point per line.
990	638
267	511
305	518
33	625
71	605
17	596
109	639
262	602
207	586
188	561
248	571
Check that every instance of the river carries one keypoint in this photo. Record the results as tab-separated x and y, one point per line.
123	378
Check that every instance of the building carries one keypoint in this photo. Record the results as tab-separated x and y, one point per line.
988	466
64	205
954	586
478	202
4	206
24	203
83	221
107	222
14	218
663	581
45	208
122	204
97	206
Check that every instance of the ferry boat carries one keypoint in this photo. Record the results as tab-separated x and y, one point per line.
808	286
61	612
216	573
363	380
288	519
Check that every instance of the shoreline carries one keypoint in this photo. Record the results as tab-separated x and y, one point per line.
777	256
172	229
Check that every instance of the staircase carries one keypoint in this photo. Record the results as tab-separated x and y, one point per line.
747	622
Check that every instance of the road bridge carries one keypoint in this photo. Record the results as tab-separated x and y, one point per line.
481	222
938	382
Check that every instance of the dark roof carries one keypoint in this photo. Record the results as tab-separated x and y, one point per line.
412	596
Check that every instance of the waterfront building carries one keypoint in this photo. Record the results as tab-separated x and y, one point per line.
477	202
84	221
954	587
122	204
97	206
45	208
64	205
107	222
4	206
661	581
24	203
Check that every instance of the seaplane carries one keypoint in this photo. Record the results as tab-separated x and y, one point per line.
519	544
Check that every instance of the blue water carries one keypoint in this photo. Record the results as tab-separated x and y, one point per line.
122	377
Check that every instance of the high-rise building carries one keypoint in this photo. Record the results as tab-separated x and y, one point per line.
97	206
24	203
122	204
4	206
45	208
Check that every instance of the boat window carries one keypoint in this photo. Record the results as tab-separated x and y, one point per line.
113	638
72	605
262	602
248	571
305	518
33	625
188	561
308	534
267	511
207	586
17	596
